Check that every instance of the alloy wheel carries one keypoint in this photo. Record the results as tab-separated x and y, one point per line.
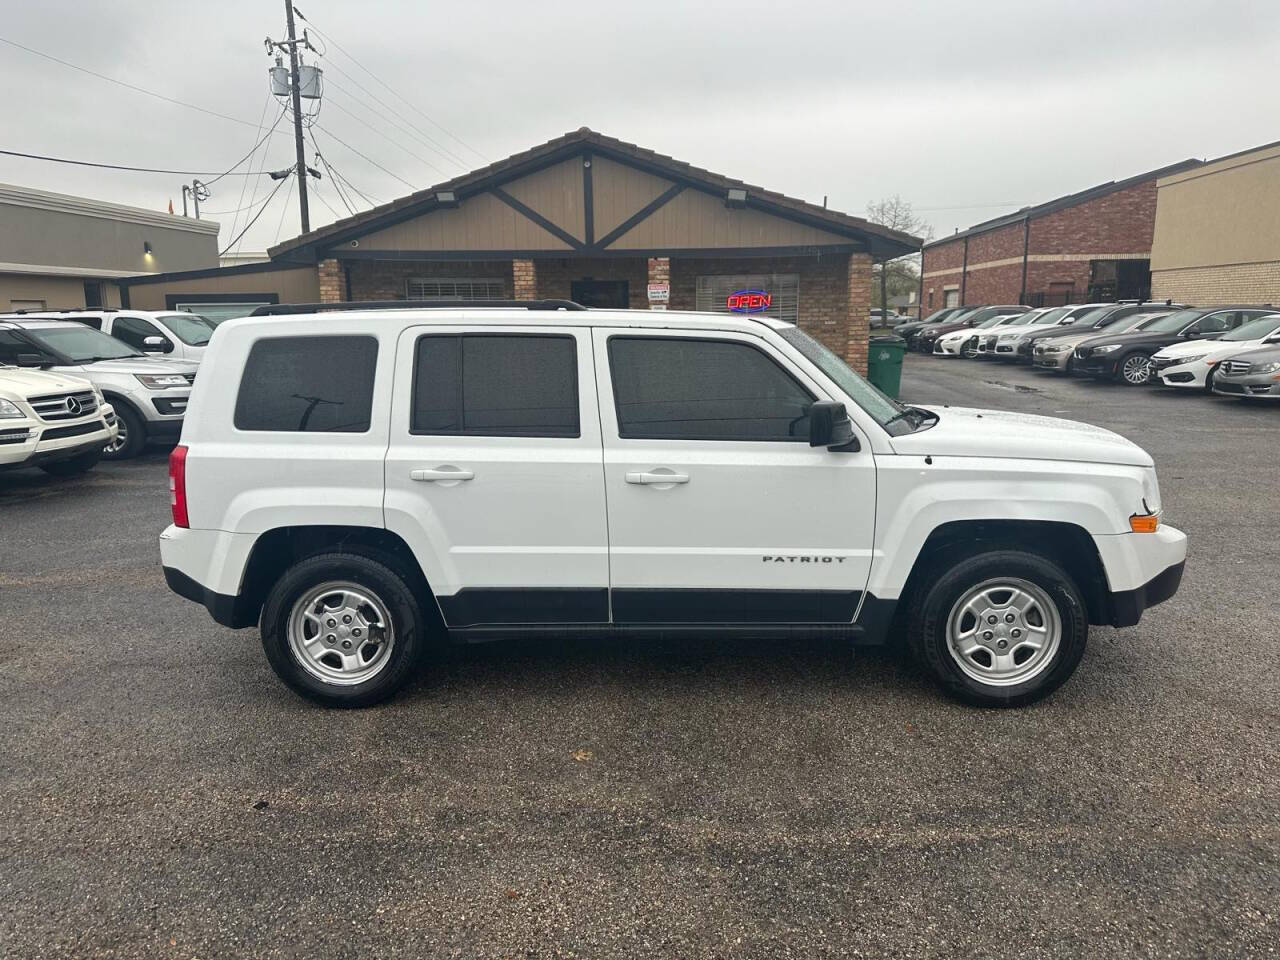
121	439
1136	370
1003	632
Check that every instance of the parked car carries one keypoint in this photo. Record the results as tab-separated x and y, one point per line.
1126	357
149	395
176	334
923	339
1190	365
965	340
1006	343
909	327
986	342
1058	353
1097	318
52	421
626	484
1253	373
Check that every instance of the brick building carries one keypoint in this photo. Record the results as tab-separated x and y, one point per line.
1217	234
583	217
1092	245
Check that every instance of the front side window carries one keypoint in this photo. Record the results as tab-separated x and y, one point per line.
308	385
133	331
1256	329
496	385
667	388
191	328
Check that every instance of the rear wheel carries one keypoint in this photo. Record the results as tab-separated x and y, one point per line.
130	439
1134	369
343	629
72	466
999	628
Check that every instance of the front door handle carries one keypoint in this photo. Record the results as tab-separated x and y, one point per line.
661	475
439	474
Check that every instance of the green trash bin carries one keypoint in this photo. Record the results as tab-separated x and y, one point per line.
884	362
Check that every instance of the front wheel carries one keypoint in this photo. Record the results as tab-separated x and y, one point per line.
970	349
1134	370
1002	628
131	435
343	629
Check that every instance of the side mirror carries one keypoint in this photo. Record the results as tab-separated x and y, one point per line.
830	427
1067	322
30	360
156	345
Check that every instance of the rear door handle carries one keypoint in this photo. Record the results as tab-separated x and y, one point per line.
658	476
446	474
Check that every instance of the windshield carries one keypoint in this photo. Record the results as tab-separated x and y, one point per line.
1173	322
939	314
1093	317
992	322
962	315
862	393
80	344
191	328
1047	317
1254	329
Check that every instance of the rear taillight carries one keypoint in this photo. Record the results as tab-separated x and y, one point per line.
178	485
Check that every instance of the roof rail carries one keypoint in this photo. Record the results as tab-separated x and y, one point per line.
274	309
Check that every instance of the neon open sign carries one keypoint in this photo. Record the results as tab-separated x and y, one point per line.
749	301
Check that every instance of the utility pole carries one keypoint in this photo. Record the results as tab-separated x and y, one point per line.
296	93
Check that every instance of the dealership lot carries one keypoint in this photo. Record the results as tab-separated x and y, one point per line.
165	795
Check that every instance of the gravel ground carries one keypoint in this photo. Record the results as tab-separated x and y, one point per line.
164	796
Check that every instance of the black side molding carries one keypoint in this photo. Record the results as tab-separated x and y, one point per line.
227	610
1127	606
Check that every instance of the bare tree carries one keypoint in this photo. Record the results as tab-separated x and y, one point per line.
901	276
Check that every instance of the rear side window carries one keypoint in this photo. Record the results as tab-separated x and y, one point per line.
684	389
496	385
308	384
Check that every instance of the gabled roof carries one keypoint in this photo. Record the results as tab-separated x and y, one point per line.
881	241
1062	203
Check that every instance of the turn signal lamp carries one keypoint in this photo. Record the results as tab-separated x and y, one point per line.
1144	522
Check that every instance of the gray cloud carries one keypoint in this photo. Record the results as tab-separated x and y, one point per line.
962	108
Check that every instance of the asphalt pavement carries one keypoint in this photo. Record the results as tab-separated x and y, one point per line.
162	795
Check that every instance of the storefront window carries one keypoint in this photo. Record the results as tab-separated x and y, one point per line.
449	288
782	291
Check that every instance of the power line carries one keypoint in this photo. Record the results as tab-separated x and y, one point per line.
251	152
415	156
129	86
367	158
397	95
266	203
284	211
118	166
244	183
337	187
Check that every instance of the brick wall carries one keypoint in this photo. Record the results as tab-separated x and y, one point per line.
1121	222
524	280
1238	283
556	276
332	282
387	280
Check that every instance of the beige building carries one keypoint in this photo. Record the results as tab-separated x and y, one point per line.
59	251
582	217
1217	231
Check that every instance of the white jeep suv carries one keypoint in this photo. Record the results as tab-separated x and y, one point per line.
363	482
149	395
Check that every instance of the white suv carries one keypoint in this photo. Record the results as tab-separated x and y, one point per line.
51	421
149	395
175	334
360	483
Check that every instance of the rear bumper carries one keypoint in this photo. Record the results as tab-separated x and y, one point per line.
227	610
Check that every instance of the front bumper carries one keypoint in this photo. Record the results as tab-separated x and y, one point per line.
947	348
1142	569
1006	351
1127	606
1096	365
1051	361
1261	385
1174	374
44	443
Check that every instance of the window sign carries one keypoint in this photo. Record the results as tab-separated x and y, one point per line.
749	301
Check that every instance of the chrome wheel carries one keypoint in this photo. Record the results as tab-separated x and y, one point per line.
121	439
341	633
1003	632
1136	370
970	349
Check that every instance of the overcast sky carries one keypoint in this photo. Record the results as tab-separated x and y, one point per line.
968	110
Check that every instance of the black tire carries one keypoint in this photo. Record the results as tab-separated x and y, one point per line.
943	587
1070	367
135	434
1208	380
1120	368
389	584
73	466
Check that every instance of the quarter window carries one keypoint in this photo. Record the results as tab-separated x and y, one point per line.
496	385
687	389
308	384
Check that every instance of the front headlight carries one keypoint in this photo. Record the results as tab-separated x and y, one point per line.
1057	348
1109	348
161	381
9	410
1265	368
1197	358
